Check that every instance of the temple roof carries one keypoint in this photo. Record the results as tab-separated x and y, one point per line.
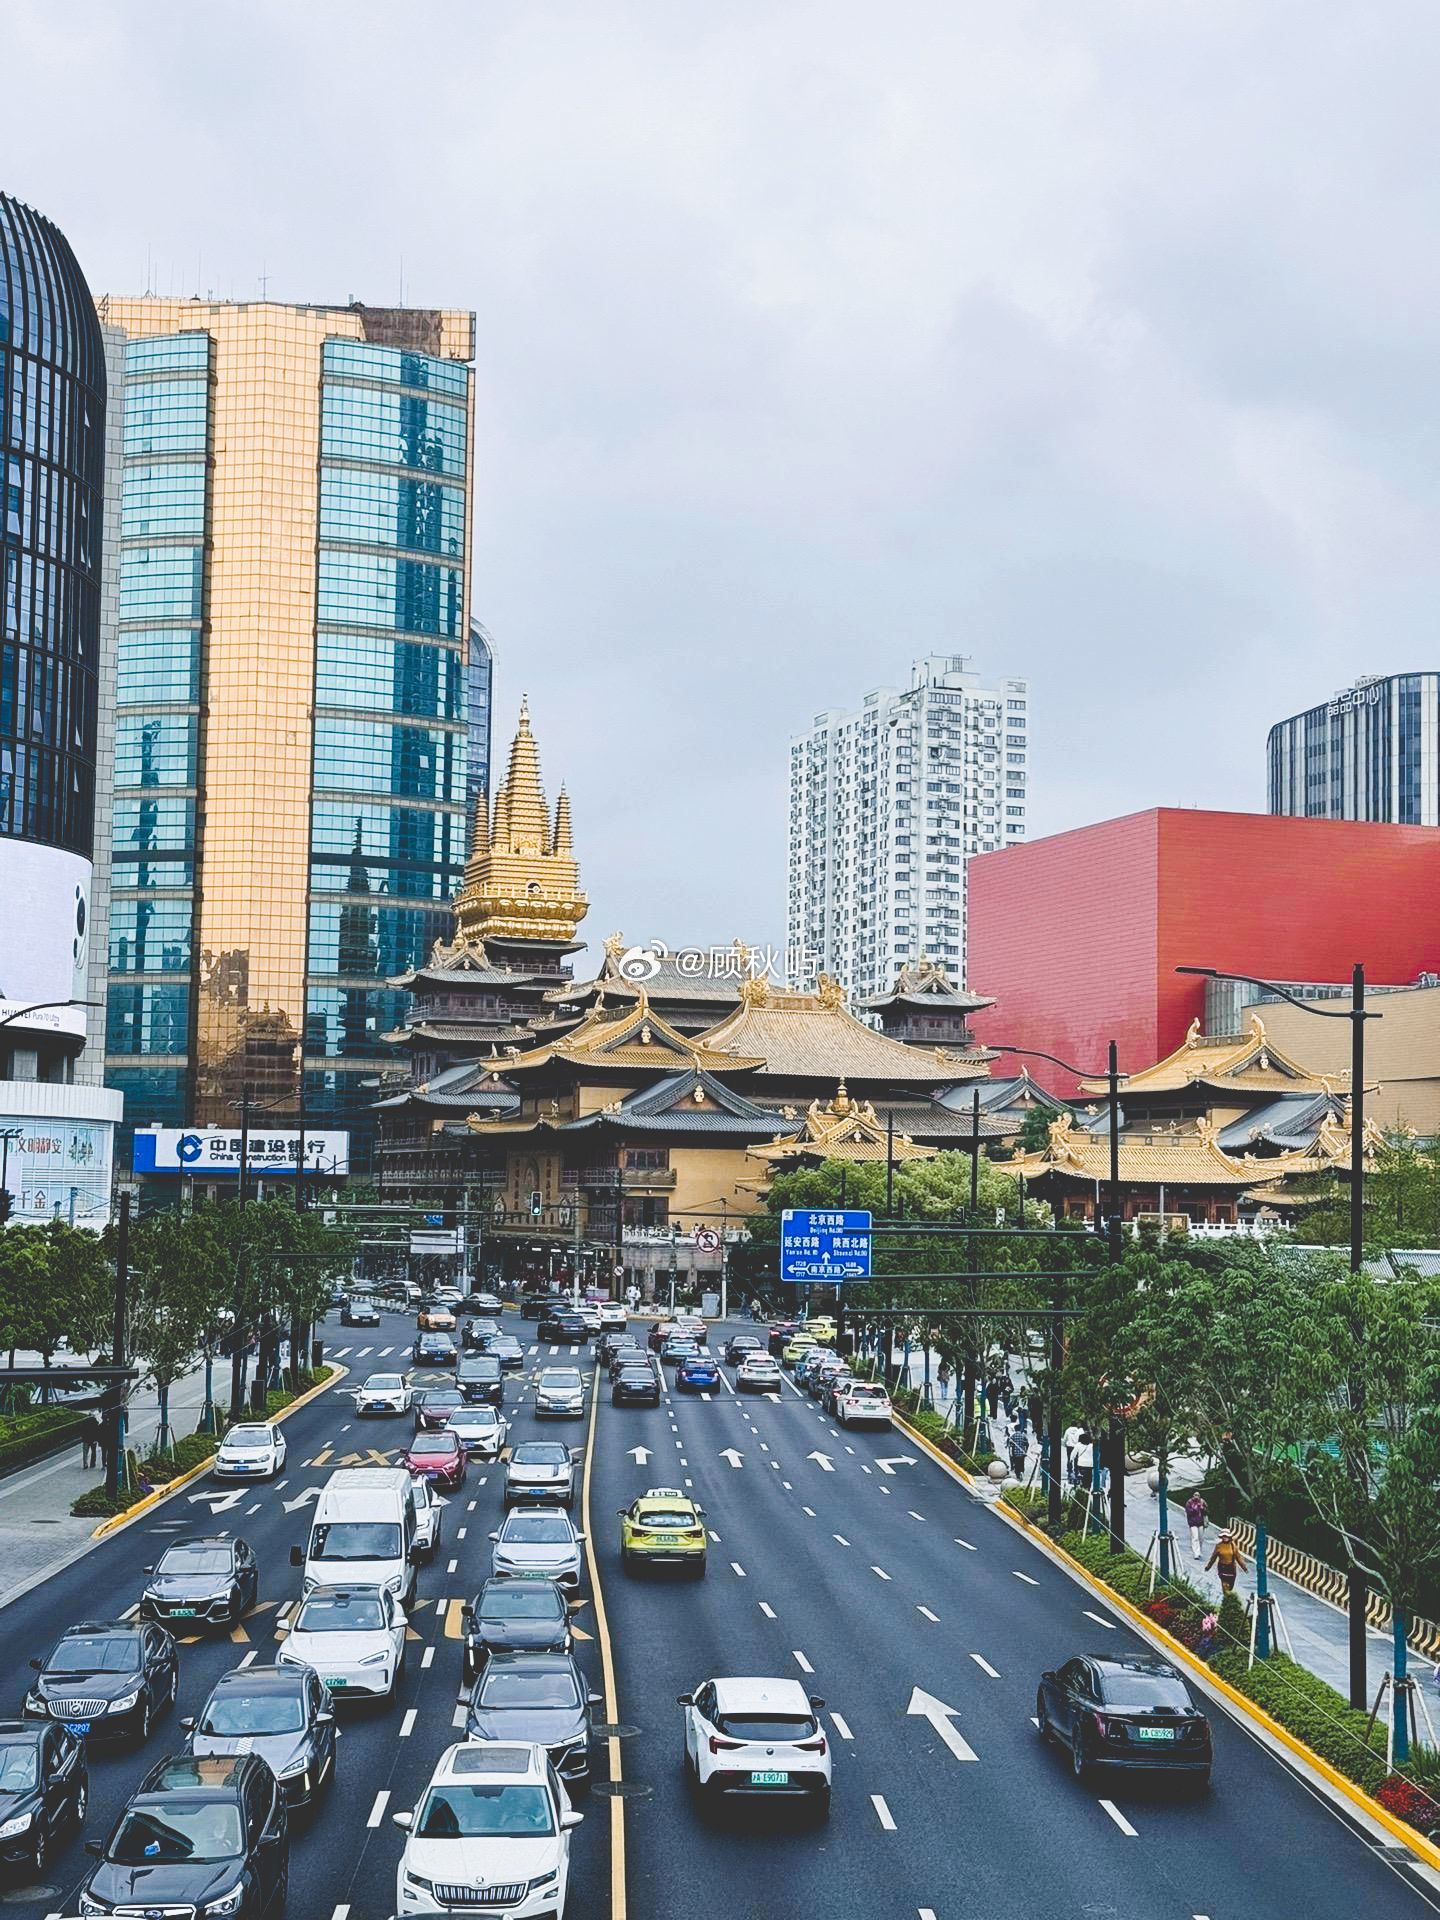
633	1038
927	986
690	1102
1235	1063
1290	1122
814	1036
459	1089
843	1129
1327	1153
1146	1159
999	1095
462	962
457	1035
709	976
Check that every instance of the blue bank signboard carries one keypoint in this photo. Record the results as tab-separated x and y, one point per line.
825	1244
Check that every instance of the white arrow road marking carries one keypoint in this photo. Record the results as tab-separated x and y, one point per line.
1120	1820
221	1503
883	1813
1099	1620
889	1463
941	1718
841	1727
1025	1577
639	1455
823	1461
377	1812
984	1665
735	1458
301	1500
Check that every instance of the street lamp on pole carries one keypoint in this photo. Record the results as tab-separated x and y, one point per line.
1357	1014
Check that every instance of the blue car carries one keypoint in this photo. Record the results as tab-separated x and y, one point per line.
697	1373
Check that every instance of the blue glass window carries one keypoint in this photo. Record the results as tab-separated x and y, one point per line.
165	498
390	510
392	676
155	750
396	365
161	583
372	942
167	350
147	1020
154	1096
393	429
166	416
396	833
150	936
360	755
344	1022
415	596
158	665
152	823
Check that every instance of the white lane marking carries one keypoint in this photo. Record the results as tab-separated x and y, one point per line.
706	1398
763	1447
377	1812
727	1386
341	1913
927	1913
470	1504
1099	1619
841	1727
383	1353
483	1478
452	1566
553	1352
984	1665
928	1614
767	1610
340	1352
280	1485
787	1486
863	1467
460	1532
250	1510
882	1812
688	1481
737	1569
249	1658
1119	1819
962	1543
407	1725
363	1351
713	1535
801	1662
346	1427
913	1514
851	1450
809	1510
427	1657
457	1719
1034	1723
1025	1577
881	1571
841	1538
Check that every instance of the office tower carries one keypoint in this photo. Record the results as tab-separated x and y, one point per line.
1370	752
886	802
56	1120
479	708
289	812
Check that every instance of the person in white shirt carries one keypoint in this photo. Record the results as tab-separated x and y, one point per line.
1069	1441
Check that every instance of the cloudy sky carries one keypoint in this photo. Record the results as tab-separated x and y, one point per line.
1096	341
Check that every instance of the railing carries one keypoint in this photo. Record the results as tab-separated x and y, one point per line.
607	1179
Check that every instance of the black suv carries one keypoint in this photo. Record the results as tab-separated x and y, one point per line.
202	1583
539	1306
106	1678
201	1836
44	1788
541	1698
481	1379
564	1323
283	1713
514	1616
359	1313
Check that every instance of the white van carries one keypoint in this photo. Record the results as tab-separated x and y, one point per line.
364	1533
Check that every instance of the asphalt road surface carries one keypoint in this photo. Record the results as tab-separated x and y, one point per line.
850	1561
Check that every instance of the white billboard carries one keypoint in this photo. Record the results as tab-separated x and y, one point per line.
216	1150
45	929
56	1169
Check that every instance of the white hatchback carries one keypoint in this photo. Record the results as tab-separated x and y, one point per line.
613	1314
353	1637
491	1830
756	1739
250	1452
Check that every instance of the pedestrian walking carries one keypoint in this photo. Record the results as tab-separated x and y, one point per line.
1018	1452
1196	1514
91	1434
1037	1412
1007	1396
1227	1560
992	1395
1084	1460
1022	1418
1069	1443
944	1378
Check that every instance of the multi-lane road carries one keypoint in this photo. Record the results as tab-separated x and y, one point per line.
850	1561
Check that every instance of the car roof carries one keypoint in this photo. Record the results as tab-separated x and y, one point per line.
499	1759
1151	1663
101	1626
362	1590
200	1540
753	1694
263	1679
501	1583
532	1662
220	1775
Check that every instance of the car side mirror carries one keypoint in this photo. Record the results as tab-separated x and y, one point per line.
570	1818
325	1718
38	1665
596	1699
405	1819
580	1539
494	1536
187	1724
149	1569
96	1848
413	1557
462	1698
467	1612
297	1556
1049	1674
816	1701
684	1699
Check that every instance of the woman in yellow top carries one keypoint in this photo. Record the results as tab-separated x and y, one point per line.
1227	1560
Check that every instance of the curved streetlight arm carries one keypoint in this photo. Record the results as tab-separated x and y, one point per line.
1036	1053
1269	986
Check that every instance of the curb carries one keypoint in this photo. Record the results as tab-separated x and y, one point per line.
112	1523
1243	1707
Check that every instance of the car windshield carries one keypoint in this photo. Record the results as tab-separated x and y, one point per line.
438	1402
514	1600
249	1437
560	1377
519	1687
436	1443
19	1769
384	1383
356	1540
479	1813
637	1372
341	1613
666	1517
178	1831
196	1560
537	1529
1143	1692
233	1715
541	1453
765	1726
474	1417
96	1653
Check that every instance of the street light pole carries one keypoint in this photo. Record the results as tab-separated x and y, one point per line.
118	1336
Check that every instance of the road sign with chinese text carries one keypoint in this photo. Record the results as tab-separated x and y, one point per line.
825	1244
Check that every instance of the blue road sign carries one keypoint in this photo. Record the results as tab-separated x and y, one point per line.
824	1244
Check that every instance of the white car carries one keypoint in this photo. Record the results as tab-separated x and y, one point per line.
538	1546
483	1431
493	1826
613	1314
590	1314
560	1390
427	1516
353	1637
382	1393
757	1739
758	1373
863	1403
250	1452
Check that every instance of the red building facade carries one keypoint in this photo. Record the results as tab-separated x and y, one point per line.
1077	937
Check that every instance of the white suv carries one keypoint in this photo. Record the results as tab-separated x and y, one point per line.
613	1314
863	1403
560	1390
492	1829
758	1740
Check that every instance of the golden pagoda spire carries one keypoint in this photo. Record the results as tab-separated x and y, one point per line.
527	818
500	836
479	830
522	881
561	842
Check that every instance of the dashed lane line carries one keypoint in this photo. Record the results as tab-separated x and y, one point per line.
713	1535
247	1659
1120	1820
1099	1619
767	1610
884	1815
928	1615
962	1543
457	1718
913	1514
842	1727
737	1569
801	1662
250	1510
427	1658
984	1665
407	1725
1025	1577
881	1571
377	1812
809	1510
460	1532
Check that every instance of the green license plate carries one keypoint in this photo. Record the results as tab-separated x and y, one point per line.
665	1540
332	1680
182	1613
769	1779
1156	1733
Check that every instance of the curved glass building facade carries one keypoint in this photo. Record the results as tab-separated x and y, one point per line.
1371	752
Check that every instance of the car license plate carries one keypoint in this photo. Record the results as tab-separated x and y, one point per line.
182	1613
1155	1733
666	1540
334	1680
77	1726
769	1778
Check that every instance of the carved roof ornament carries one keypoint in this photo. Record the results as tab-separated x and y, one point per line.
698	1096
614	947
829	991
1192	1033
755	991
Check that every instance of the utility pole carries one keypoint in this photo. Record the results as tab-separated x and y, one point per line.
116	1421
890	1164
1357	1595
1114	1234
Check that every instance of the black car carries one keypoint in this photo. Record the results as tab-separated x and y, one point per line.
563	1323
479	1301
284	1714
739	1344
200	1836
514	1616
632	1355
476	1335
434	1407
509	1352
635	1386
778	1335
208	1583
538	1306
44	1788
536	1697
359	1313
1124	1710
106	1679
479	1378
433	1350
612	1338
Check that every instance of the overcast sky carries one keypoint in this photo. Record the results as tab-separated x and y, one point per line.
1096	341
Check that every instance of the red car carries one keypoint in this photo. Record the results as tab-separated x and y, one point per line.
439	1458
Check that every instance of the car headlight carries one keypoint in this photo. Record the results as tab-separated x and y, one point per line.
292	1772
230	1902
124	1704
420	1885
20	1824
284	1658
395	1584
34	1703
88	1904
375	1660
545	1880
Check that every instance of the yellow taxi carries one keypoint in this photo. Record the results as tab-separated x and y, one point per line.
663	1528
799	1343
823	1326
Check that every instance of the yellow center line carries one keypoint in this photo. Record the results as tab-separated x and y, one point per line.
607	1667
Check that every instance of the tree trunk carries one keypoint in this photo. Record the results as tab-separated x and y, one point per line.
162	1444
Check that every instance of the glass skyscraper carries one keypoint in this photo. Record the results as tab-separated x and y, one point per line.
479	709
1371	752
290	794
